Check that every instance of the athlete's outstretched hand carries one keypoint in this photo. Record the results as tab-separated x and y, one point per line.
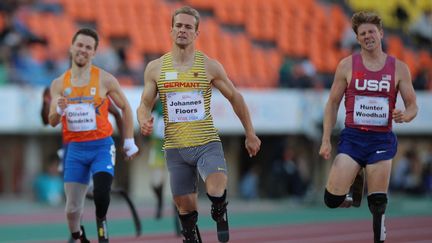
146	126
253	144
325	150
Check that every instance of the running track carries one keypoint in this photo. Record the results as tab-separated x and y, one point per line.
409	220
412	230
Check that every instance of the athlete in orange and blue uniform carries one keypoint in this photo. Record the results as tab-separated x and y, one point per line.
80	101
90	150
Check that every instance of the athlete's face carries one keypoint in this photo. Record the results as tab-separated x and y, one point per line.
369	36
83	50
183	30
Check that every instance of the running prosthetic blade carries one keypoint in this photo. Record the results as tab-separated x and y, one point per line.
102	230
219	214
223	229
198	234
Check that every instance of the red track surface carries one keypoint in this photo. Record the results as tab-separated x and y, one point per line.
412	230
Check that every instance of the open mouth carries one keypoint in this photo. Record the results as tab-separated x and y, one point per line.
369	43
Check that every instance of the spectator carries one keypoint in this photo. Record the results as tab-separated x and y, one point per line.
427	172
297	74
349	40
48	185
249	183
427	177
421	30
287	177
408	174
423	80
107	58
401	15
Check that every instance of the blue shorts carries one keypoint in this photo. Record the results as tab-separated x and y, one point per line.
367	147
86	158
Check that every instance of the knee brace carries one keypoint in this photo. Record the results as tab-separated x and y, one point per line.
188	221
190	228
377	203
218	207
101	193
217	200
333	201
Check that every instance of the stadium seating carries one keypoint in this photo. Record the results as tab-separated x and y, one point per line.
269	31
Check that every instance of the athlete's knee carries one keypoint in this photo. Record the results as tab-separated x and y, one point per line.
216	191
186	203
73	213
333	201
377	203
74	205
216	183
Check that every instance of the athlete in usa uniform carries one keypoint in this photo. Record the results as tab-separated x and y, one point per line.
370	81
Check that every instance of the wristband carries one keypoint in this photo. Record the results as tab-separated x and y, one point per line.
129	146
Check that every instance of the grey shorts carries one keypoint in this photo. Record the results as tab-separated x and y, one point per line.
183	164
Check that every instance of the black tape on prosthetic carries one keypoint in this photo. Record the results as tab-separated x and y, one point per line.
101	193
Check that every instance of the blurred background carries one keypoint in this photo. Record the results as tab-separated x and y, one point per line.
281	54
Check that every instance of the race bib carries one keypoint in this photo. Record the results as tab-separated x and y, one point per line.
185	106
371	111
81	117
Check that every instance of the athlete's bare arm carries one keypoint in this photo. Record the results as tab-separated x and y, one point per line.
114	92
148	97
112	108
407	92
58	101
221	81
336	94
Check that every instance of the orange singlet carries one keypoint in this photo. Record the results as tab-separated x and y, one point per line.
86	117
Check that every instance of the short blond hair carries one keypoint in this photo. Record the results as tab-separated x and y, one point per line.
189	11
